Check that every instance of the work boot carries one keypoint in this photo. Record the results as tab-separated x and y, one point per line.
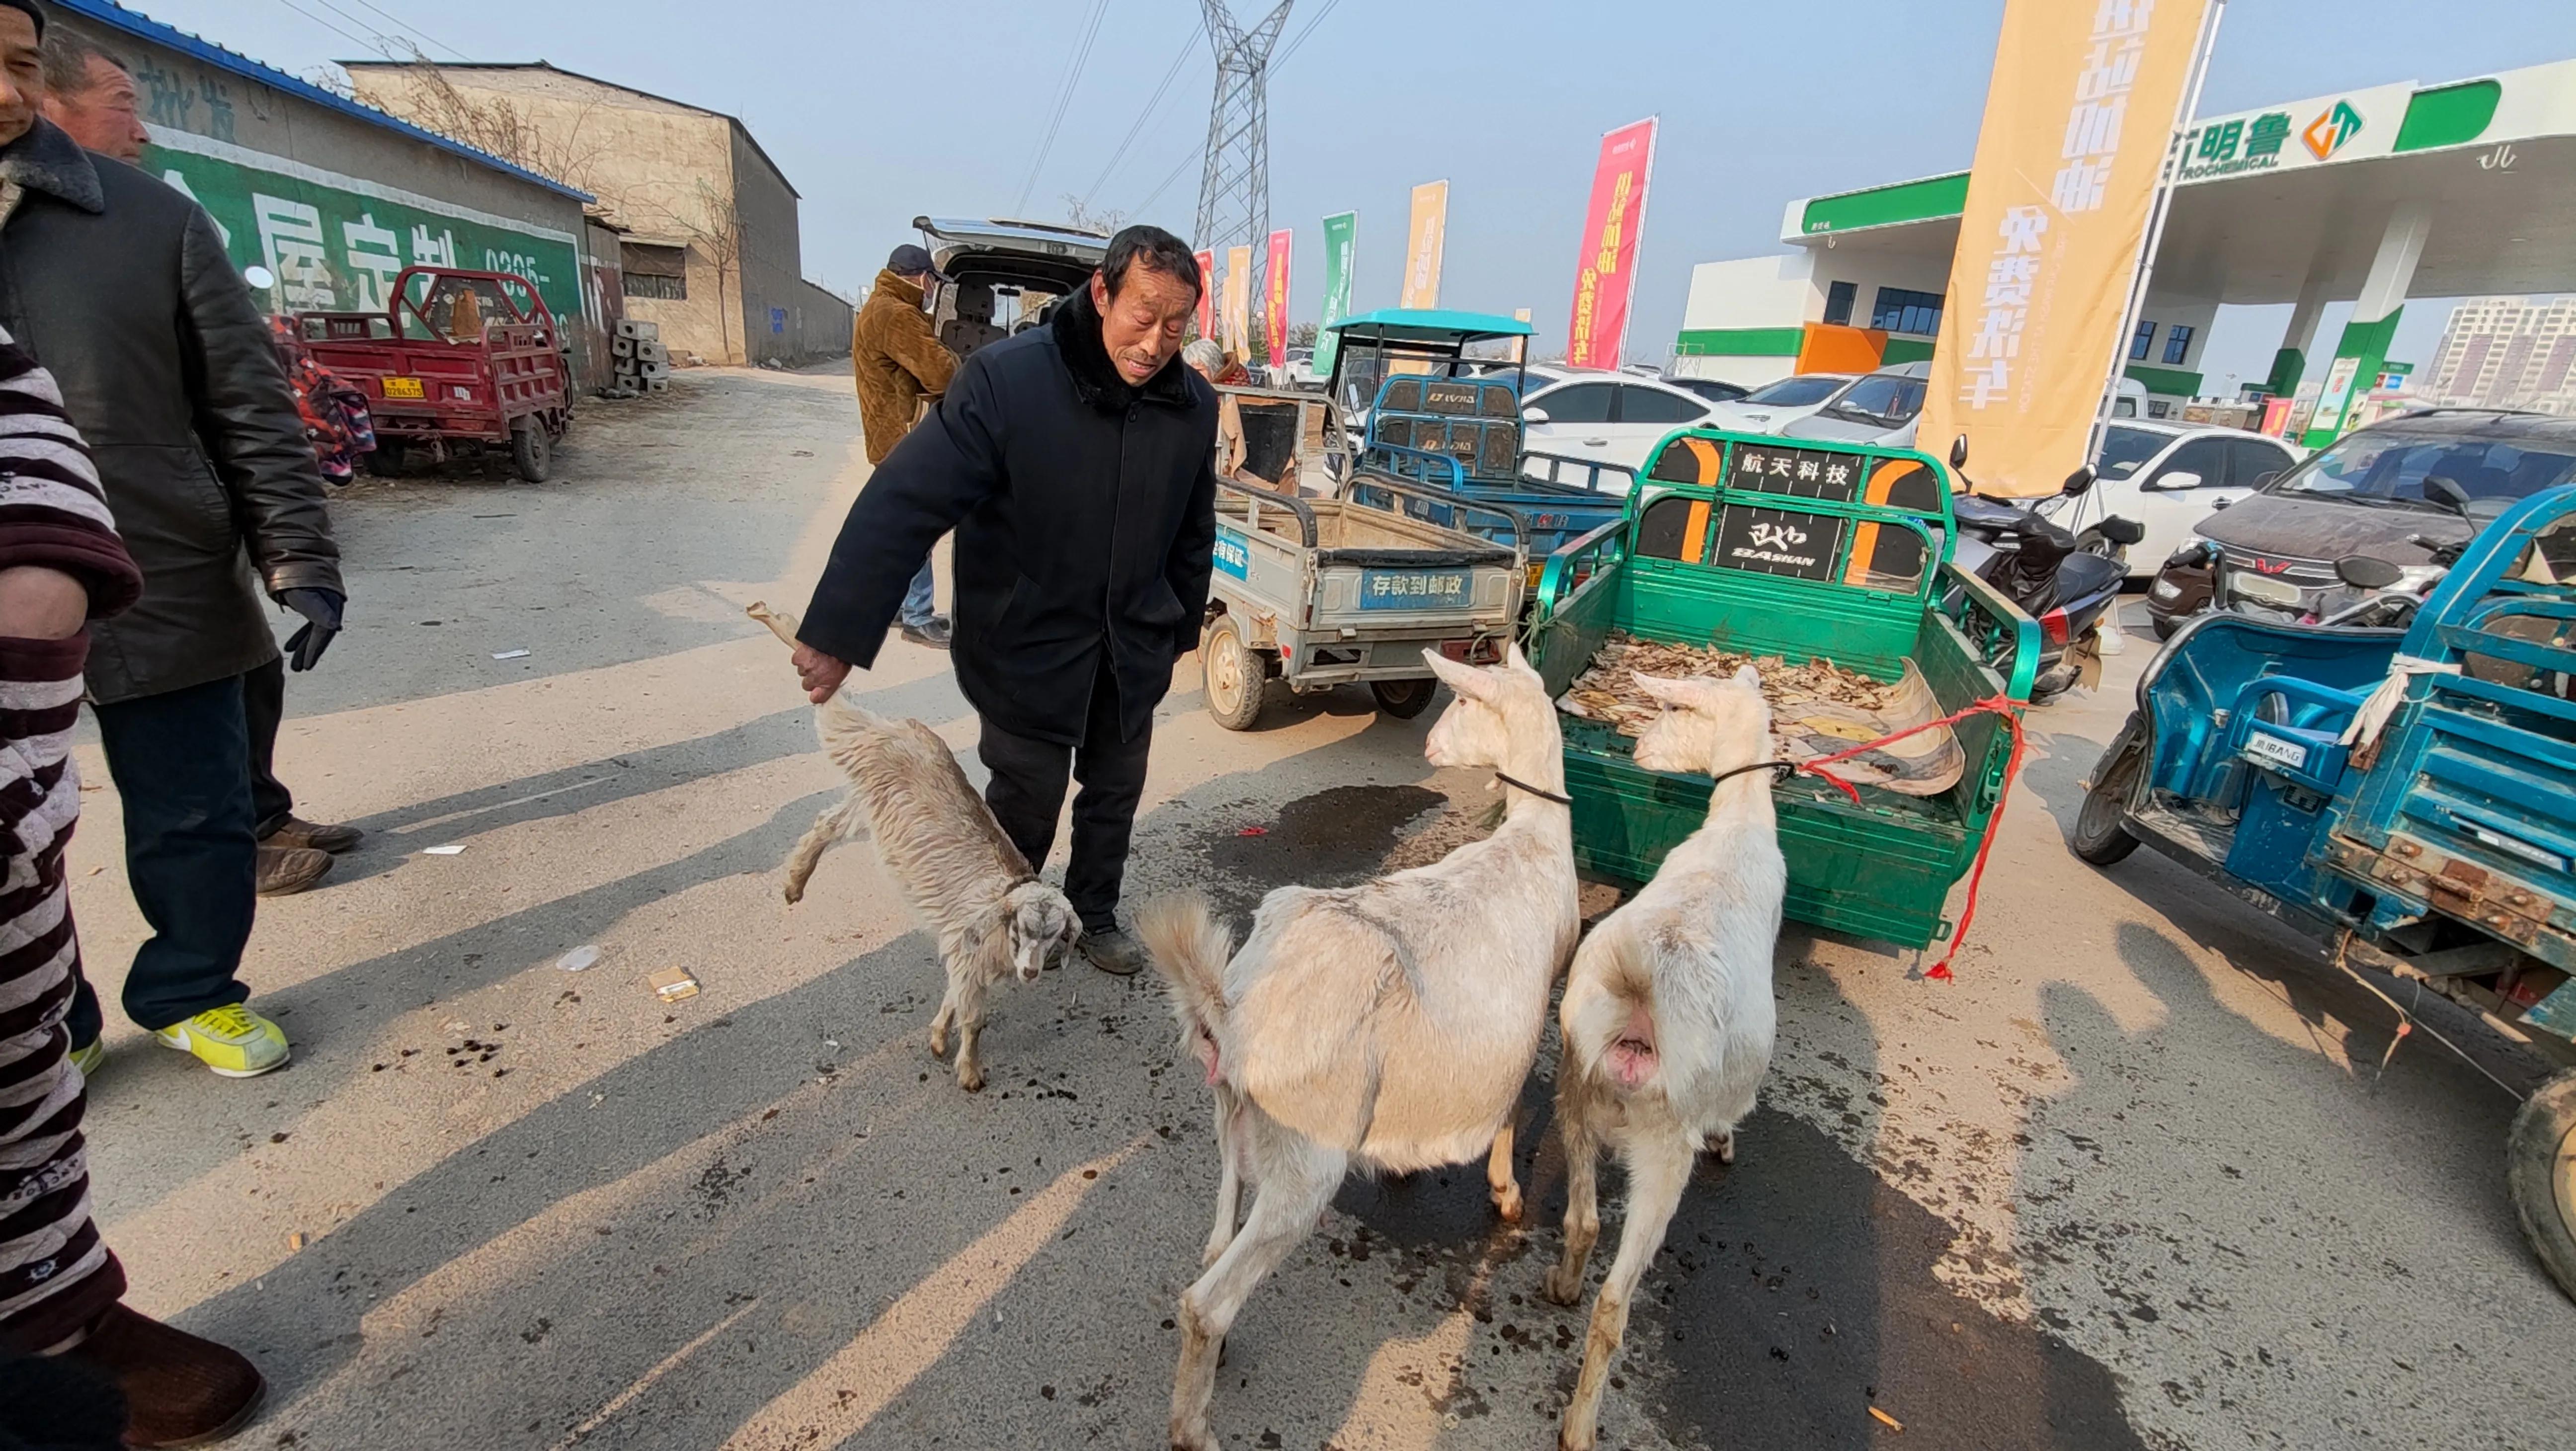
295	831
1113	951
932	632
287	870
179	1390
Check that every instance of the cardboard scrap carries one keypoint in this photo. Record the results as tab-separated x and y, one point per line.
672	984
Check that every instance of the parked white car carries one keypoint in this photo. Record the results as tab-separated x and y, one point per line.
1881	408
1777	404
2169	477
1615	418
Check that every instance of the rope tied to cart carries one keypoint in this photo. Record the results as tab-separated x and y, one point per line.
1996	705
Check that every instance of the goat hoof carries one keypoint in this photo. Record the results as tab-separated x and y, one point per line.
1562	1287
1188	1438
1567	1441
1508	1206
1724	1146
971	1079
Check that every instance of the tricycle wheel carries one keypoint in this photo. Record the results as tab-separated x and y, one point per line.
2540	1172
2165	629
1234	676
386	459
2101	835
531	451
1404	699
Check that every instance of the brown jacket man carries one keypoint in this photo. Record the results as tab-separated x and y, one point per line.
897	360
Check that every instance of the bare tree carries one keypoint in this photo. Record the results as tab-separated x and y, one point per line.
1078	215
715	233
494	124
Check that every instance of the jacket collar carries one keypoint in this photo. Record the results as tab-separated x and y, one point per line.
898	287
1077	336
46	159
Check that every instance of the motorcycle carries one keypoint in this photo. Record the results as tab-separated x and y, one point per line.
2038	565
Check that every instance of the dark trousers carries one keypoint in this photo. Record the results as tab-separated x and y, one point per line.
181	761
1027	792
264	706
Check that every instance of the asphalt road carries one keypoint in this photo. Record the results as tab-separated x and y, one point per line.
2136	1179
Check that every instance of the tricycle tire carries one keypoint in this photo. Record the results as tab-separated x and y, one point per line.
531	451
2100	837
1233	676
2540	1173
1404	699
2165	629
385	460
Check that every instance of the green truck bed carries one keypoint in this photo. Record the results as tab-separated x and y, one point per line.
1719	547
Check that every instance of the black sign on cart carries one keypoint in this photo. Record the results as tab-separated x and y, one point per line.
1779	541
1804	472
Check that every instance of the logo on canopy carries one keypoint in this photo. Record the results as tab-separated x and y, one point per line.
2327	134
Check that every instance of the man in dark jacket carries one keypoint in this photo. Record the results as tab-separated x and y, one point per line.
1075	462
121	287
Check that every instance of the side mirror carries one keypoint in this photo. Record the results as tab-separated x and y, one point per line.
1534	415
2173	481
2363	571
2078	482
2265	480
1959	452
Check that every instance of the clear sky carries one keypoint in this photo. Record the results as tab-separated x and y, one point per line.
881	112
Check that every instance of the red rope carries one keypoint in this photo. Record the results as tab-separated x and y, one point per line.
2000	705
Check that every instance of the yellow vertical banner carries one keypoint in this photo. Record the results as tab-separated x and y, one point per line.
1520	346
2079	117
1425	238
1238	300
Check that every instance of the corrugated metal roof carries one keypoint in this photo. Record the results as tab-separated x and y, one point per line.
135	23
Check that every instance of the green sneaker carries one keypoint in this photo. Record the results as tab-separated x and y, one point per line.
89	1057
233	1041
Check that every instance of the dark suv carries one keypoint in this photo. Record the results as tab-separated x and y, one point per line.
2390	491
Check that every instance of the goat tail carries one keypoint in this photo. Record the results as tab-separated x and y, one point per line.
842	722
1609	1021
1190	948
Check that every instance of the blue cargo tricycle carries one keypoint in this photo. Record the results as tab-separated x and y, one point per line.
2405	794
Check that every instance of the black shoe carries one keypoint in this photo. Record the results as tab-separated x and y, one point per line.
1114	952
933	634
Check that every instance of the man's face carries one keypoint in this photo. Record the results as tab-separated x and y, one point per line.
22	75
102	115
1141	326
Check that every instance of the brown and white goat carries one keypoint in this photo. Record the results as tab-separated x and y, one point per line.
988	911
1387	1026
1667	1016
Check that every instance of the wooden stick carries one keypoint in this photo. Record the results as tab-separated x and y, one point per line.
780	623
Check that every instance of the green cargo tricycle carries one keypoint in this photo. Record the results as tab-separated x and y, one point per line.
1806	550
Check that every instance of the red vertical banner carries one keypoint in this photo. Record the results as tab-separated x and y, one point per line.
1207	292
1274	302
1605	275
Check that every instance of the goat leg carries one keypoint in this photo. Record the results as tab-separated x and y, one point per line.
1291	1196
826	832
968	990
1500	1182
1582	1184
1229	1184
939	1024
1658	1170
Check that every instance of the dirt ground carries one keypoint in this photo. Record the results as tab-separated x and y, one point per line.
2135	1179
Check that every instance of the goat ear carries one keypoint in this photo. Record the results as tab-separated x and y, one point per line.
1513	657
1670	692
1745	674
1465	680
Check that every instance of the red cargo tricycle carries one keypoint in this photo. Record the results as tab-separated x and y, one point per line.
459	362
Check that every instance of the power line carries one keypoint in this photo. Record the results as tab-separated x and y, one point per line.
1188	43
414	29
1166	183
375	45
1285	51
1063	101
1276	62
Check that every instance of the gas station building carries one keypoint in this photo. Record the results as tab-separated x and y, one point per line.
2371	196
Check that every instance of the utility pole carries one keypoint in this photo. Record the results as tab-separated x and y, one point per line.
1234	186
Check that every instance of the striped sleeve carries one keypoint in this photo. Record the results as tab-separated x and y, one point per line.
52	512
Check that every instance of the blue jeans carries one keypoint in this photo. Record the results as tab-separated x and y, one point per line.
921	602
181	762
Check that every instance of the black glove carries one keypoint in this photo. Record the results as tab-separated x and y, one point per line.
321	611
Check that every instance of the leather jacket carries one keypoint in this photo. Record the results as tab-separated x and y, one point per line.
121	287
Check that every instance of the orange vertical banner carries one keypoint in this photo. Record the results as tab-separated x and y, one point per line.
1605	274
1207	292
2079	117
1426	239
1274	304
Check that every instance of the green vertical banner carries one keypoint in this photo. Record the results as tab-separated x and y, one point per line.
1341	240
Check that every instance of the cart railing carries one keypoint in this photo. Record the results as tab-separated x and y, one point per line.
1275	499
1458	504
1593	470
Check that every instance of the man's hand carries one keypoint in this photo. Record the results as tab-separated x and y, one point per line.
37	603
321	611
819	673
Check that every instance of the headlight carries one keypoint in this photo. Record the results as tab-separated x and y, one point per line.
2165	589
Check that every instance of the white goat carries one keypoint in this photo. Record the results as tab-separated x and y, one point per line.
1667	1015
963	878
1388	1026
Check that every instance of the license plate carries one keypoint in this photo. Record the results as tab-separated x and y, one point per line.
404	388
2262	587
1412	589
2276	751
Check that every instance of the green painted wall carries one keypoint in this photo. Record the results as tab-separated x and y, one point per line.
1911	201
2173	382
2289	365
1905	350
1739	342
